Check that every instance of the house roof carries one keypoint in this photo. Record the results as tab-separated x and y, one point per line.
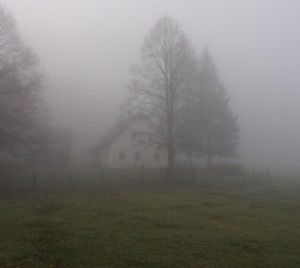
108	138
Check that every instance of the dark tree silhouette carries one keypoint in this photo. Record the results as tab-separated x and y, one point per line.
165	73
209	127
22	109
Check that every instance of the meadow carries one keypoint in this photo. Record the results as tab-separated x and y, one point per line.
217	223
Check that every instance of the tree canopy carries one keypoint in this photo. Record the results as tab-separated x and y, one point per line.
209	127
160	81
22	109
181	96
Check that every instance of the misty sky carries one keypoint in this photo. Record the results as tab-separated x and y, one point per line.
87	46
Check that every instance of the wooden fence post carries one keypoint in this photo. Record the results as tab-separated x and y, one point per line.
268	174
142	174
253	173
34	182
70	179
194	175
103	176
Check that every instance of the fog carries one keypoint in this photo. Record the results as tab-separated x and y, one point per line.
86	48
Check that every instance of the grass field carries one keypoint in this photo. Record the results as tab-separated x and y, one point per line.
208	225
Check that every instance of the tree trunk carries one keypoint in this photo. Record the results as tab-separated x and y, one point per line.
208	161
190	160
170	168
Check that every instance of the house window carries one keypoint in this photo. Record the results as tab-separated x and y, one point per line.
122	155
137	156
157	157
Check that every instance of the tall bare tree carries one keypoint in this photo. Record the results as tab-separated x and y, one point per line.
22	110
166	71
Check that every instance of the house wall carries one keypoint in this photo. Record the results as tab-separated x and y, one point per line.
127	144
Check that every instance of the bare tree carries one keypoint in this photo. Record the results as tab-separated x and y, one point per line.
22	110
158	89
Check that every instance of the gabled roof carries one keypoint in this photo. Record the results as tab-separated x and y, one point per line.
114	133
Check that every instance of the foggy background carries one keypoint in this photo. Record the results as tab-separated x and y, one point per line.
86	48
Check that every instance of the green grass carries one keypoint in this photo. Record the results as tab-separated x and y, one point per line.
210	225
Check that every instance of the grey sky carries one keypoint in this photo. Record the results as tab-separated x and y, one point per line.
87	46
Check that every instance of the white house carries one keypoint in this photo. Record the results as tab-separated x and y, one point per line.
125	147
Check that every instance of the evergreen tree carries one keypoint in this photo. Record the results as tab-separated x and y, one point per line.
209	127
